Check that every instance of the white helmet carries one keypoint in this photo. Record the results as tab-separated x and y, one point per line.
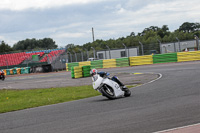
93	72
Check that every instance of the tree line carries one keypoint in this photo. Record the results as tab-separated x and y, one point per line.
148	37
29	45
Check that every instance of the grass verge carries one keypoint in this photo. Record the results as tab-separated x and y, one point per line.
12	100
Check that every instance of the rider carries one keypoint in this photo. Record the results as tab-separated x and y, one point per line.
105	74
2	74
1	71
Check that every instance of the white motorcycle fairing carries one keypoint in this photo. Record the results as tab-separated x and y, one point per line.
99	82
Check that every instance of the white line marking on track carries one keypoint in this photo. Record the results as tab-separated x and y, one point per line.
160	76
168	130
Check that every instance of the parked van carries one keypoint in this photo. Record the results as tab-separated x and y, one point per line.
91	59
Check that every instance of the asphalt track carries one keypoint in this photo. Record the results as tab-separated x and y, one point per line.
169	102
63	79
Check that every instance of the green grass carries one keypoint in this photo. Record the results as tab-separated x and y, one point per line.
12	100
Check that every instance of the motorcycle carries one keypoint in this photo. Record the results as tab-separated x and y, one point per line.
2	75
108	87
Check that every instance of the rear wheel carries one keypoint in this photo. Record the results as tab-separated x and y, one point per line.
108	92
2	77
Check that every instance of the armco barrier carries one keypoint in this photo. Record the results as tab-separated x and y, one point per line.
109	63
188	56
164	58
141	60
122	62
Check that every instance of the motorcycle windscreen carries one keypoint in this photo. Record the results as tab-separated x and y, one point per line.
97	80
94	77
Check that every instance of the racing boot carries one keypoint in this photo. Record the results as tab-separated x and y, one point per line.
124	88
127	92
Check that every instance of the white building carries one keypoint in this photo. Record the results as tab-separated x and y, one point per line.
118	53
190	45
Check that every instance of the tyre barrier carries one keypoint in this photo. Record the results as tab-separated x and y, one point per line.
11	71
122	62
70	65
79	72
109	63
76	72
5	72
164	58
139	60
23	70
188	56
85	63
86	71
97	64
18	70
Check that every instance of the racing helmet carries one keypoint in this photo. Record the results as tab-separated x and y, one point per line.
93	72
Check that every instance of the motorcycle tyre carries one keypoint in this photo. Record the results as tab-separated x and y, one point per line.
2	78
106	94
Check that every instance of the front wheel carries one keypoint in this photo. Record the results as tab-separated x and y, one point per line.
108	92
2	77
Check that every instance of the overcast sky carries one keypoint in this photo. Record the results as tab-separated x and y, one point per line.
71	21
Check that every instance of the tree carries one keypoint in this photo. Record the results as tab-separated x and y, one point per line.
48	43
4	47
132	34
189	27
163	31
30	44
165	28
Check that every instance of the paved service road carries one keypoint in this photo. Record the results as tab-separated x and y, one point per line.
170	102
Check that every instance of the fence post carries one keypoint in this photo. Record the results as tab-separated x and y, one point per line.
160	46
142	47
197	41
75	55
81	54
109	51
125	49
93	52
179	44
